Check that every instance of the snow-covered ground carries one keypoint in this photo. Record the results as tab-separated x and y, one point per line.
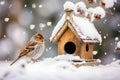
58	68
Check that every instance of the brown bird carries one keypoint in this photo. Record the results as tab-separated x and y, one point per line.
33	49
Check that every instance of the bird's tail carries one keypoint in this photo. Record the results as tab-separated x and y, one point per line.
15	61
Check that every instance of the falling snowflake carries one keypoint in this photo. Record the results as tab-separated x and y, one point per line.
114	59
24	32
114	8
105	53
116	38
100	32
32	26
95	52
2	2
105	21
6	19
41	25
33	5
25	5
4	36
118	25
105	37
40	6
50	48
46	50
107	34
10	5
49	23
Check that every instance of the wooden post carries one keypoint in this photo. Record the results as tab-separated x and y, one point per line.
69	13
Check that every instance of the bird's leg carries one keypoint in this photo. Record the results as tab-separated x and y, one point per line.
34	60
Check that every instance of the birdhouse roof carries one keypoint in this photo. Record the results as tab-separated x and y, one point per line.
82	27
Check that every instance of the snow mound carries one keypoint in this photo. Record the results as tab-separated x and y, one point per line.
51	69
67	57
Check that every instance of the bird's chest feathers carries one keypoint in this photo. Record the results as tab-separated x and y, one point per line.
37	48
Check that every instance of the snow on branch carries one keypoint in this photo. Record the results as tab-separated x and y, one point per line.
80	8
92	1
107	3
99	13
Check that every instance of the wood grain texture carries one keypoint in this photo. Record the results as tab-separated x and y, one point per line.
86	54
68	36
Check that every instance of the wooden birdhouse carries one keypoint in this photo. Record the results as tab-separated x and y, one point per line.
75	35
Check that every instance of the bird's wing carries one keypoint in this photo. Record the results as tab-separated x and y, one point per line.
28	48
31	43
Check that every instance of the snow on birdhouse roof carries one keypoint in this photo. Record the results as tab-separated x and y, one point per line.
84	28
58	27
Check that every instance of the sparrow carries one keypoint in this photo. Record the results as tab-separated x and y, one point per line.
33	49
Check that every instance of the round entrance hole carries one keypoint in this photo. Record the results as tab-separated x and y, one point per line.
70	47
